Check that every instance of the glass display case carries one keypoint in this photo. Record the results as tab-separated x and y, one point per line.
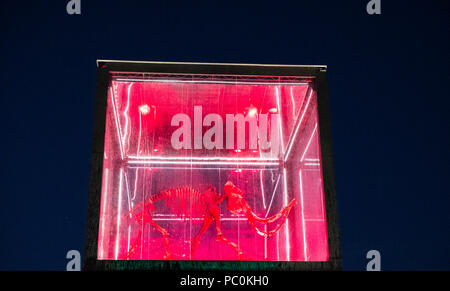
211	167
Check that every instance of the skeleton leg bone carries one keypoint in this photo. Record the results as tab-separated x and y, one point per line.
142	220
135	245
165	237
195	242
215	211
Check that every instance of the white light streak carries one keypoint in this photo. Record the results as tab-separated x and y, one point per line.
312	164
138	151
125	113
279	120
309	142
291	141
116	118
262	188
132	157
273	195
303	218
210	82
161	162
118	216
286	226
103	211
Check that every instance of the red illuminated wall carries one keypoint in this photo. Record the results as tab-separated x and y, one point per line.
140	161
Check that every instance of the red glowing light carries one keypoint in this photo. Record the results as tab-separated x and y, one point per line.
133	173
144	109
252	111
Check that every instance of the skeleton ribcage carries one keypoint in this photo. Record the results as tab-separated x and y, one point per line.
184	202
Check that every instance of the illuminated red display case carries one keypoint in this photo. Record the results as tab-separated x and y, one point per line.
211	166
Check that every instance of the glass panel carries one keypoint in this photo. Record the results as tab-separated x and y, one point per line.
210	167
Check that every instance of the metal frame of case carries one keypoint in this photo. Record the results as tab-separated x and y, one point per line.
317	73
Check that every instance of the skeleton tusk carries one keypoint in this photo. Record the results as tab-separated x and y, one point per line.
284	213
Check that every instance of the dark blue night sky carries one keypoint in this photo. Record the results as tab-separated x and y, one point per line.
388	78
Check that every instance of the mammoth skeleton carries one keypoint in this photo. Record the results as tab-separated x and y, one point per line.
206	205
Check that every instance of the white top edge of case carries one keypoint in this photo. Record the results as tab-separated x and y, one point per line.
198	63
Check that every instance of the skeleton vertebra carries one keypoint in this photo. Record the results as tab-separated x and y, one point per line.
187	202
